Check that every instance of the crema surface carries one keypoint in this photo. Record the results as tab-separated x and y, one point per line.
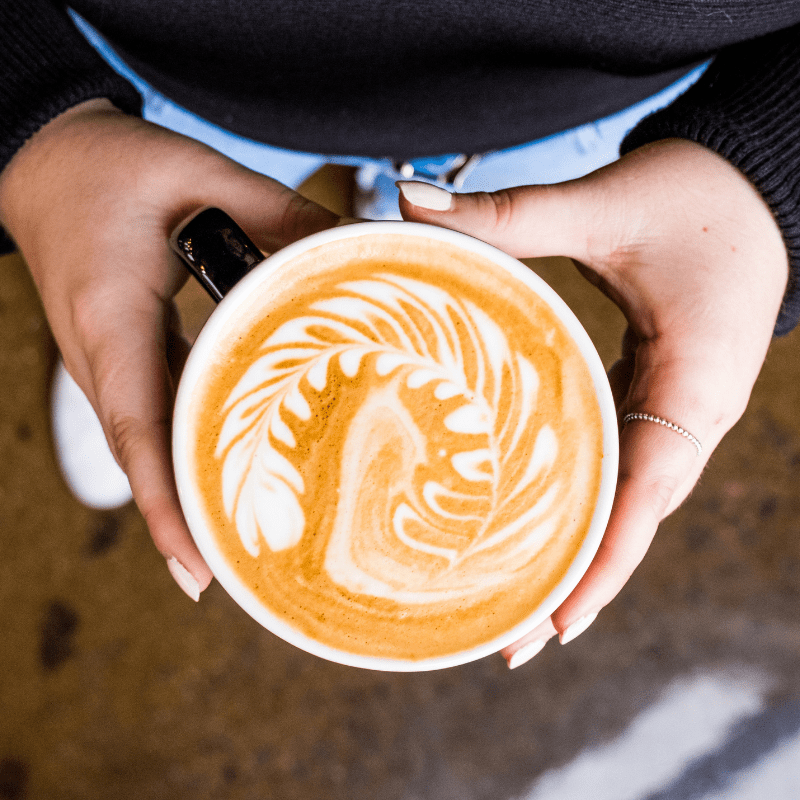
399	447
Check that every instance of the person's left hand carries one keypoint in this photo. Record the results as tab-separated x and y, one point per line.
687	248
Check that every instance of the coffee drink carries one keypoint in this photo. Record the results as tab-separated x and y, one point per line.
398	447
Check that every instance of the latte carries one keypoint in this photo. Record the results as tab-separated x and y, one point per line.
398	447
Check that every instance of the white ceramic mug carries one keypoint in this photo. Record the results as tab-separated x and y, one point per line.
234	272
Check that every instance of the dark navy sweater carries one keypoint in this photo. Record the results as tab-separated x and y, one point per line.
405	78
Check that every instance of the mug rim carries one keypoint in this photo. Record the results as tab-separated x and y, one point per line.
201	531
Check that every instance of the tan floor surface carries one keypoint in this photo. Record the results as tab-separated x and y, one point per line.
114	685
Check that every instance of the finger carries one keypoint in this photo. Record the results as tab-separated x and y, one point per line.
657	469
525	221
528	646
132	391
272	214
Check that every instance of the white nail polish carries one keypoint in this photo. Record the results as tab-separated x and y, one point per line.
426	195
526	653
184	578
577	628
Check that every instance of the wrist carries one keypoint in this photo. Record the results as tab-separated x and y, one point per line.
735	195
15	176
719	200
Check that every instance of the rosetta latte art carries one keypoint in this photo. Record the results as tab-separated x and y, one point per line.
445	479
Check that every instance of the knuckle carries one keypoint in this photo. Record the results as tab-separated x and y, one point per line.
502	208
604	235
719	410
125	432
651	491
83	310
296	215
129	435
89	308
661	490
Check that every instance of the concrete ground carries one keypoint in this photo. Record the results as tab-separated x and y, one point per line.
113	684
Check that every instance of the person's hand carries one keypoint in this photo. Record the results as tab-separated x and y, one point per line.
689	251
91	200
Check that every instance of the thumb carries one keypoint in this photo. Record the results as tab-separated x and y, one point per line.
272	215
524	221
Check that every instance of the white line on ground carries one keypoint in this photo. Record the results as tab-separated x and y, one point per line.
692	718
776	776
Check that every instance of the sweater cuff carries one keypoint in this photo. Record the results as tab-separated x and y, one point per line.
746	107
46	67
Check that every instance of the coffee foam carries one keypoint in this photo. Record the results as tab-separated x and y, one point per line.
393	470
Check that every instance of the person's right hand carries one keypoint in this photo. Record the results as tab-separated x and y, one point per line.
90	200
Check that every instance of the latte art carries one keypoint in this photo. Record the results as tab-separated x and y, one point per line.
386	457
495	483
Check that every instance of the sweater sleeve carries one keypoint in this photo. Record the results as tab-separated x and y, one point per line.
46	67
746	107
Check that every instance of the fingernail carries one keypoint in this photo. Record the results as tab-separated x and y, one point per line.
184	578
426	195
577	628
526	653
